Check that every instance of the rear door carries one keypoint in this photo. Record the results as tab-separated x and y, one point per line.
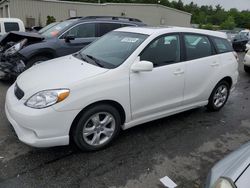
84	34
202	68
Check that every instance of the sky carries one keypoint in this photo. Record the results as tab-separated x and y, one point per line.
226	4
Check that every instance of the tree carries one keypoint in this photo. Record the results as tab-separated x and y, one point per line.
50	19
228	24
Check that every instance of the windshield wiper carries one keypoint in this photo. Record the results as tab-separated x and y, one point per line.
96	61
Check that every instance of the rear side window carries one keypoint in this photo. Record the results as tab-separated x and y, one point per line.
197	46
222	45
107	27
11	26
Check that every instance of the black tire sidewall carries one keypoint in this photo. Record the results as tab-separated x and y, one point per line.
247	69
211	105
77	130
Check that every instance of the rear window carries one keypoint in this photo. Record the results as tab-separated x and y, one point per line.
11	26
222	45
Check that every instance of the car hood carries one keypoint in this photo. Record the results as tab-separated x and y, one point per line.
231	166
62	72
16	36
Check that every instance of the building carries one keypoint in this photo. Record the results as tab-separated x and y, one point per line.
35	12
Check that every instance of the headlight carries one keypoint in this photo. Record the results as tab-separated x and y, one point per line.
13	49
47	98
224	183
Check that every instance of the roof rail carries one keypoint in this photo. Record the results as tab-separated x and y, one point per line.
113	18
77	17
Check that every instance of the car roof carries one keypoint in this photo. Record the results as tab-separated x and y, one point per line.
155	30
109	21
10	20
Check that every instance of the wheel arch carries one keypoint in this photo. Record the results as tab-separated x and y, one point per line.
115	104
44	52
228	79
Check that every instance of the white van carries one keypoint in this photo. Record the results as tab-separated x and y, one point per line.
11	24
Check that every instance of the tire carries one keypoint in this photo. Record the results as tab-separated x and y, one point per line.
218	97
94	128
35	60
247	69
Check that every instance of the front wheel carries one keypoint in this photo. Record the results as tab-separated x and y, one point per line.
219	96
247	69
96	128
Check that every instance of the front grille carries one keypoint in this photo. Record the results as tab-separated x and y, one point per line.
18	92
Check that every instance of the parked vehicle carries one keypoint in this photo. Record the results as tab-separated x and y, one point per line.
248	46
20	51
247	62
128	77
232	171
11	24
246	32
239	42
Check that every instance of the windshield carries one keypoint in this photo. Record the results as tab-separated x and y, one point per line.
41	31
55	30
114	48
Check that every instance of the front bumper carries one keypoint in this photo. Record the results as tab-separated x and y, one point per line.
38	127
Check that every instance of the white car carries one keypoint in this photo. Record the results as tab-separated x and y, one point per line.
247	62
11	24
128	77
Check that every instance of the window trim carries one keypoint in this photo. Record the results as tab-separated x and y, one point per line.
96	27
164	35
213	49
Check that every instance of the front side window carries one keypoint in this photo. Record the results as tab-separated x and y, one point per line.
11	26
197	46
163	51
56	29
114	48
86	30
222	45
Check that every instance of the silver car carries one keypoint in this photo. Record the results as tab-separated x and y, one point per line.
232	171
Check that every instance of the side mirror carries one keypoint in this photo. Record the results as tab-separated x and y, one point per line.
68	38
142	66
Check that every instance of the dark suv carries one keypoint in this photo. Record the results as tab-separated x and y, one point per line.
20	51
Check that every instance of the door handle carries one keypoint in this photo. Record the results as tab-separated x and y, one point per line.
178	72
215	64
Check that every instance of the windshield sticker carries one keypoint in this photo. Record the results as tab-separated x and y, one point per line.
130	40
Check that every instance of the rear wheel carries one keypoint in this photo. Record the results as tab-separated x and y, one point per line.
96	128
219	96
36	60
247	69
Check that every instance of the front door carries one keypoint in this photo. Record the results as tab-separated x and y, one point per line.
160	90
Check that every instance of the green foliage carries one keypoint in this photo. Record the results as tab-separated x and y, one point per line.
228	24
203	15
50	19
